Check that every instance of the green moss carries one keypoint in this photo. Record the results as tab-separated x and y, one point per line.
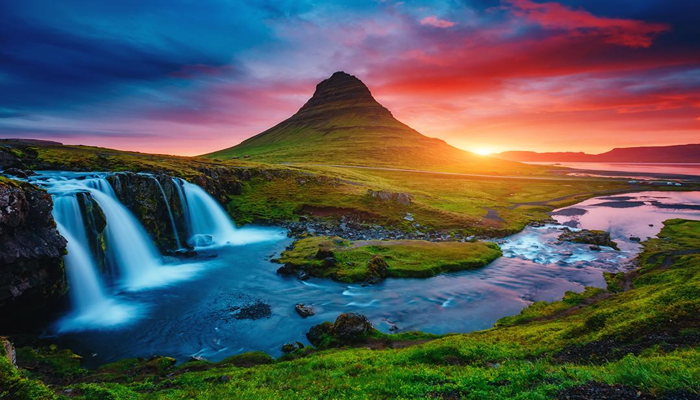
404	258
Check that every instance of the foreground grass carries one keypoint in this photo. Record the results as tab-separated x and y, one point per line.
354	261
645	339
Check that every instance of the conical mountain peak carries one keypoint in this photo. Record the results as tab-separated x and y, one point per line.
341	91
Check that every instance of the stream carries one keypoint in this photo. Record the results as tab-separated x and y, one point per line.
193	307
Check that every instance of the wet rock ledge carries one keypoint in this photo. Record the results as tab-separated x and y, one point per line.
32	276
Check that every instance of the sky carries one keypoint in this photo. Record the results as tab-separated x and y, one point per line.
190	77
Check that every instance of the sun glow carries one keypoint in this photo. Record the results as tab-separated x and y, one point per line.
482	151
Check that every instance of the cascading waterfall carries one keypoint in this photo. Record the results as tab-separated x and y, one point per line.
91	303
129	250
208	224
128	245
170	212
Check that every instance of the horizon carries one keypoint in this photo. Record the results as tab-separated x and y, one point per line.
484	76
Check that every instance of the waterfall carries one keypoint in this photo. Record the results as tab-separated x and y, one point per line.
128	245
92	306
208	224
170	212
86	286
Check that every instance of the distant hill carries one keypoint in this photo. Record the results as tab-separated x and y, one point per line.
343	124
686	153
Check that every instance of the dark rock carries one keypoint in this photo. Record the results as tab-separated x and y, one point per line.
291	347
635	239
377	269
350	327
287	269
304	310
20	173
225	379
594	247
317	333
32	277
324	253
329	262
593	237
257	310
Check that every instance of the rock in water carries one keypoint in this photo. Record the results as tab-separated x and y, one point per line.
304	310
351	327
317	333
291	347
592	237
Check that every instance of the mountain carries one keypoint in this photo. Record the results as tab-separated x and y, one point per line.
686	153
343	124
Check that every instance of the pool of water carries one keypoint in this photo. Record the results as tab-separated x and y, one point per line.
197	317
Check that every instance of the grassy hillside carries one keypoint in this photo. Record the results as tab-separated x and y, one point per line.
637	343
343	124
273	193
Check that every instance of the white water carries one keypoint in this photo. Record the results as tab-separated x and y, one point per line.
208	224
91	303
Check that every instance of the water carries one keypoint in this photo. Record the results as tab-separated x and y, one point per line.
691	169
92	304
197	316
208	224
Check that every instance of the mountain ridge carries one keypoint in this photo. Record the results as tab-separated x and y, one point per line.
684	153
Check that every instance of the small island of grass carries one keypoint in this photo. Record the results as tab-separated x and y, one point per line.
373	260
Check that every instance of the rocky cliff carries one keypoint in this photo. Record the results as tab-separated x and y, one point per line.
32	277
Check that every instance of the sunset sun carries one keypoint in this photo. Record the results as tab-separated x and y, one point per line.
483	151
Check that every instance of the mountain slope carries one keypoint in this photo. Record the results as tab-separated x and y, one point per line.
687	153
343	124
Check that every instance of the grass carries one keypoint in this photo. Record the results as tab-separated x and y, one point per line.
272	193
645	338
404	258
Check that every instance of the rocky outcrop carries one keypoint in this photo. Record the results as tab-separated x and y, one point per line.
304	310
592	237
377	270
141	194
32	277
348	328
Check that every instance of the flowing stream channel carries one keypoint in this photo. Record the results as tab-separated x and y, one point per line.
137	302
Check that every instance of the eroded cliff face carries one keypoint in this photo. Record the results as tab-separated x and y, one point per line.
32	276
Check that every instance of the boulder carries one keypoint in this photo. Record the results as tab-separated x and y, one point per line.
592	237
377	269
317	333
291	347
350	327
304	311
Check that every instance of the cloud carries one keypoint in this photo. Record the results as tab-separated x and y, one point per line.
436	22
625	32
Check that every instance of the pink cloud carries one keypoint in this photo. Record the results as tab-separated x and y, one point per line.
437	22
625	32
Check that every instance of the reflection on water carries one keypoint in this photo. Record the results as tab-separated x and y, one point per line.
196	317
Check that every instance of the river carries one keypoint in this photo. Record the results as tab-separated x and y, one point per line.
194	312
